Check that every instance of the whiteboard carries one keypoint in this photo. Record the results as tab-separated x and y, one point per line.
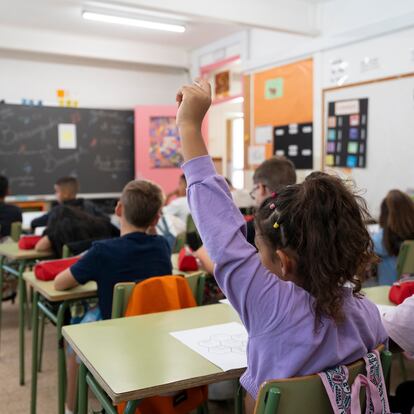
390	144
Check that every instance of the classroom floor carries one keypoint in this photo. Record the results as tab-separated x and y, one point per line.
16	399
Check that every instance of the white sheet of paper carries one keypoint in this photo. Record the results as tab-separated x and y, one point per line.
383	309
223	345
28	216
257	154
67	136
39	231
264	134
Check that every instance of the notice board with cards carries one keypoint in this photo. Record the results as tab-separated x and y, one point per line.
347	135
378	135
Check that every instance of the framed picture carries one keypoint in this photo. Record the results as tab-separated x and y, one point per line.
165	145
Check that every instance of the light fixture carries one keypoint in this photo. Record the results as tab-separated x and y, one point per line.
132	21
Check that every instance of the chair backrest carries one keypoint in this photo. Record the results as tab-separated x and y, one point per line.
179	242
122	292
66	252
307	393
197	282
160	294
156	294
16	231
405	261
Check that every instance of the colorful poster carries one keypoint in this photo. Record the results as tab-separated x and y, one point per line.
346	144
165	143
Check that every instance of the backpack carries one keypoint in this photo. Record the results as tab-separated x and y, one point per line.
345	399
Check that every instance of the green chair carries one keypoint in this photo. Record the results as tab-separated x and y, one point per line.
179	242
405	260
16	231
303	394
66	252
122	292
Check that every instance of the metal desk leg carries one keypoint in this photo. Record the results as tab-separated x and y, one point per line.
61	358
82	390
22	295
2	260
131	407
41	338
35	341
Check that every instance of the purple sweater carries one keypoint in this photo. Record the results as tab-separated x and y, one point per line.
277	314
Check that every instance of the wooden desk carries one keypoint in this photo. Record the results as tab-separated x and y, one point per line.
140	358
48	292
378	295
22	258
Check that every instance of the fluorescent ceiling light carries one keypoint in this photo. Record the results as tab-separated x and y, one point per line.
128	21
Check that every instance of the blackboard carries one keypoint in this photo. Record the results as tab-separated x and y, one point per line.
30	157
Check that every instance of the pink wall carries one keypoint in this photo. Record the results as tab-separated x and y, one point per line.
167	178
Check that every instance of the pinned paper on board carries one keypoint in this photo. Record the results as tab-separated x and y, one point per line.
274	88
223	345
264	134
67	136
257	154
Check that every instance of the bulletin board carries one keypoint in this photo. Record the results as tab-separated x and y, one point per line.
390	126
283	99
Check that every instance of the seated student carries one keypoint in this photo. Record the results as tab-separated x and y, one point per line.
178	206
8	213
68	224
399	324
291	295
133	257
396	225
66	189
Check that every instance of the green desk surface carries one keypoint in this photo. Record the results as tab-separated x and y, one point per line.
12	251
378	295
47	290
136	357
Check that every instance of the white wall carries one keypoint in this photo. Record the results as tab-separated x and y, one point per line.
93	84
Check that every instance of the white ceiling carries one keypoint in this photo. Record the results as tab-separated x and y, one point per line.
65	16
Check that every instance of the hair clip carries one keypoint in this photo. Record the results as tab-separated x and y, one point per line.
276	225
274	194
272	206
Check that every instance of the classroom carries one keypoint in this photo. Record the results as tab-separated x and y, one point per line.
206	208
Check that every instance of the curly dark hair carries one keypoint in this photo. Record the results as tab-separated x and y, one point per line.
323	223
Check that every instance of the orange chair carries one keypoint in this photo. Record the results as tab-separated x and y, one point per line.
160	294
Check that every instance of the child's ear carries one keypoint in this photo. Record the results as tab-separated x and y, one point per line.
118	209
286	262
156	219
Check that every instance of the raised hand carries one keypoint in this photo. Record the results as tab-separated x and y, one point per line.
193	103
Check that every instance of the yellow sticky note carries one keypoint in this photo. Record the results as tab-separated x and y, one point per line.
61	102
329	160
60	93
68	102
75	104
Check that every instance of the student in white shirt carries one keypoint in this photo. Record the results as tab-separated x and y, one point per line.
178	206
399	324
